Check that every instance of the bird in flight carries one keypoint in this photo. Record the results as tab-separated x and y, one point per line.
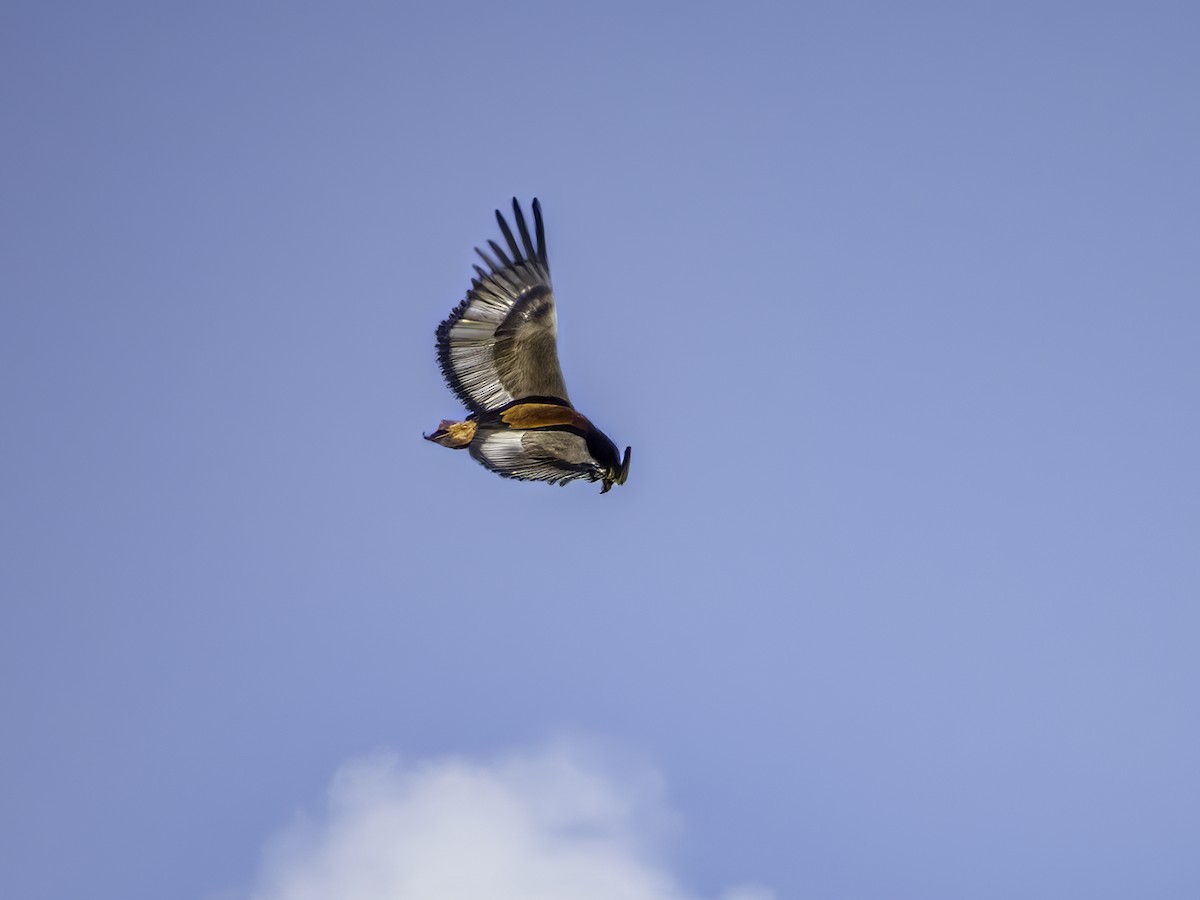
498	351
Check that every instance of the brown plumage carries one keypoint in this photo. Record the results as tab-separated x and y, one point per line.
499	353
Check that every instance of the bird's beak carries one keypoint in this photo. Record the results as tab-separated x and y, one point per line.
607	486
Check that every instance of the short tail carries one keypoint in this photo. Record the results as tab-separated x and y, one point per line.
455	435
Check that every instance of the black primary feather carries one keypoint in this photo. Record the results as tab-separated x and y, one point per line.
508	236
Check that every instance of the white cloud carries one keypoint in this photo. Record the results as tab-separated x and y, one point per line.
559	824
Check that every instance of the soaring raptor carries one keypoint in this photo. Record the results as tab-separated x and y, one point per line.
499	354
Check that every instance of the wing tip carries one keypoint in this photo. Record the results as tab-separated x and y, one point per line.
539	228
508	236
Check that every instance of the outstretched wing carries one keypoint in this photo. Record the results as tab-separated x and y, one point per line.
499	344
536	455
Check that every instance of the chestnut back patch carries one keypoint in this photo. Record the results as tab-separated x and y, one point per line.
543	415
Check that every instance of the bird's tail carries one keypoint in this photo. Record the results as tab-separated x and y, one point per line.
455	435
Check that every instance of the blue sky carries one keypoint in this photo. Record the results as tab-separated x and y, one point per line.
898	308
